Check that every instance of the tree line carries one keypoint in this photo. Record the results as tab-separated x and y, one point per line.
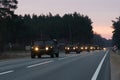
72	27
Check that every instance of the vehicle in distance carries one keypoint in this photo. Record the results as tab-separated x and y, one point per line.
40	48
72	48
84	48
89	47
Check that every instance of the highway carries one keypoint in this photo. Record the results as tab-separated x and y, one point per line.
85	66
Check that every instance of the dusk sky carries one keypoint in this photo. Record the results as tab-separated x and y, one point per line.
101	12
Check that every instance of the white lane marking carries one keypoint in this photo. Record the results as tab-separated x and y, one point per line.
67	57
94	77
6	72
63	58
34	65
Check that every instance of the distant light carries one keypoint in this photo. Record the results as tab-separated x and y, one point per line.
74	48
82	48
86	47
105	49
47	48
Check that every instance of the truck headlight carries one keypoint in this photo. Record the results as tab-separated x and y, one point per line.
74	48
51	47
104	49
91	47
86	47
36	48
82	48
68	48
98	48
46	48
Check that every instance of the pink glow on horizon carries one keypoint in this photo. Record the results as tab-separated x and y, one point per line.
105	32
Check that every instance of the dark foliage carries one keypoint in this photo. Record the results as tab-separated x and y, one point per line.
7	8
100	41
72	27
24	29
116	33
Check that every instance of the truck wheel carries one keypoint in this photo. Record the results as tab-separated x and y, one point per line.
67	52
39	56
78	52
32	55
57	55
52	55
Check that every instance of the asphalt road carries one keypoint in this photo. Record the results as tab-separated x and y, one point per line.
85	66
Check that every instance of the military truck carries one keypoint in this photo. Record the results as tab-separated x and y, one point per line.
40	48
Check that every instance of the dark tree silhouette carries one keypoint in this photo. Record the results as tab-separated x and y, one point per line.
116	33
70	27
7	8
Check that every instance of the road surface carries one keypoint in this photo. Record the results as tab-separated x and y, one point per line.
85	66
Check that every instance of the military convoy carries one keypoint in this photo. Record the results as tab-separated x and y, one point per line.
80	48
50	47
72	48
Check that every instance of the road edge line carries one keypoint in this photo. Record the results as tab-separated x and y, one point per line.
6	72
94	77
38	64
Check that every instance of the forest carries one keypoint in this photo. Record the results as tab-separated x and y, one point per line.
23	29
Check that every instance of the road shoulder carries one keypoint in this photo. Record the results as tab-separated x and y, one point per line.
115	66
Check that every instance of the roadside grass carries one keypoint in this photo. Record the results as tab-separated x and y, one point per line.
118	52
14	54
115	65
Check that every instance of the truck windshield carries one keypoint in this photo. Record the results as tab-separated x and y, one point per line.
49	42
40	43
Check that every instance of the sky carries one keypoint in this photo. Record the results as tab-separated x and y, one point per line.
101	12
